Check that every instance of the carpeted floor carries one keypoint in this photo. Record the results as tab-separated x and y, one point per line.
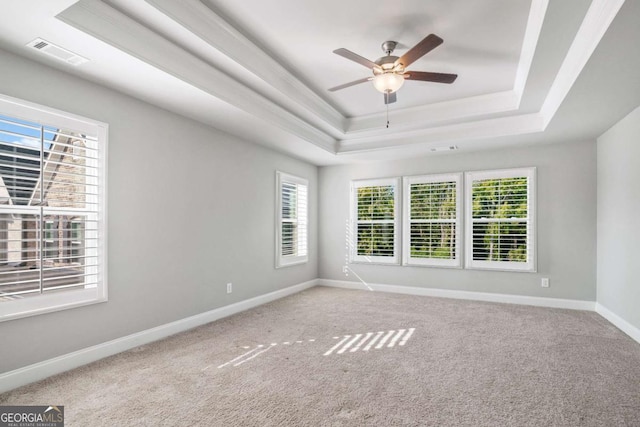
334	357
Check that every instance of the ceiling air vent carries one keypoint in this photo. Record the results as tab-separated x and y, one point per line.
445	148
57	52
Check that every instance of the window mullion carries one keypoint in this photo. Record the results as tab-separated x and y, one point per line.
41	222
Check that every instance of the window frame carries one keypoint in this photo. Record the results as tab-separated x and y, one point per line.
302	256
56	301
530	266
407	259
353	232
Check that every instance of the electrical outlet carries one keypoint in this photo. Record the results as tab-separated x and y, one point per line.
544	282
229	288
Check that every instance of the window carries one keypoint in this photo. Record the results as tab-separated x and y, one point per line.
501	219
52	234
432	220
291	228
375	227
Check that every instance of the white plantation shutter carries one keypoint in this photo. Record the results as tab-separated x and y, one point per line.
501	219
51	209
432	207
375	226
292	219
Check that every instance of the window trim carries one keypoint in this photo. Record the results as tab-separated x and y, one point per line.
531	265
290	260
47	303
407	260
353	234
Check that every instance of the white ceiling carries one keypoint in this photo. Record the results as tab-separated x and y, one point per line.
260	70
484	54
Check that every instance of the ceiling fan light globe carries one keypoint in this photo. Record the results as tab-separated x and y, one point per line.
388	82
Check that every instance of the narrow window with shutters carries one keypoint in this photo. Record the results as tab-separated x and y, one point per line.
292	220
501	219
432	220
375	228
51	186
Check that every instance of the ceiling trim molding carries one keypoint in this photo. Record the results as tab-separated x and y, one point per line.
597	20
203	21
109	25
532	34
456	109
490	128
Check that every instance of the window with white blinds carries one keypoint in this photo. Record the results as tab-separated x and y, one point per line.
432	220
375	224
500	220
292	219
51	209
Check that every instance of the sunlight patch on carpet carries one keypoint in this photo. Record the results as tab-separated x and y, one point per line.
379	340
346	344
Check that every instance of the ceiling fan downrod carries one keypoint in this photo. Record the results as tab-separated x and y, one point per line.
388	47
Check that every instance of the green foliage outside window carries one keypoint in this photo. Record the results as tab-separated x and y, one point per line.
500	215
433	214
376	213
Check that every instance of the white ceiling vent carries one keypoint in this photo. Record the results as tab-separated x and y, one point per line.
444	148
57	52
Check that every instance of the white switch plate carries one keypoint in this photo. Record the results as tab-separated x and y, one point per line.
229	288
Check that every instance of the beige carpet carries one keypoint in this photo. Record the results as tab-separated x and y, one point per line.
443	363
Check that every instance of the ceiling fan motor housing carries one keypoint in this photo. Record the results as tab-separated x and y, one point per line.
389	74
387	65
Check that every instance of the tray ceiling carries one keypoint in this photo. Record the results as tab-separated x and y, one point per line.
260	70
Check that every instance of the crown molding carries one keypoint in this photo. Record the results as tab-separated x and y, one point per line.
596	22
491	128
432	114
205	22
111	26
537	13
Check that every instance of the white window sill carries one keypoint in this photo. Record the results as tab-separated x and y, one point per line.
49	303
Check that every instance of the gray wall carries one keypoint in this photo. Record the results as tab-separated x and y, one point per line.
566	237
619	218
189	209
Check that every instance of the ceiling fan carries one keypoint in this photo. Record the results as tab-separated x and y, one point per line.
389	72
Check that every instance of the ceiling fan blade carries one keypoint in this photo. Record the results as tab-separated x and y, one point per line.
345	53
390	98
425	46
426	76
353	83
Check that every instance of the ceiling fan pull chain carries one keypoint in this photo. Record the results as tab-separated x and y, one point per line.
387	114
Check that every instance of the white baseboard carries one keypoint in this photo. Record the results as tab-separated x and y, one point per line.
37	371
468	295
618	322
